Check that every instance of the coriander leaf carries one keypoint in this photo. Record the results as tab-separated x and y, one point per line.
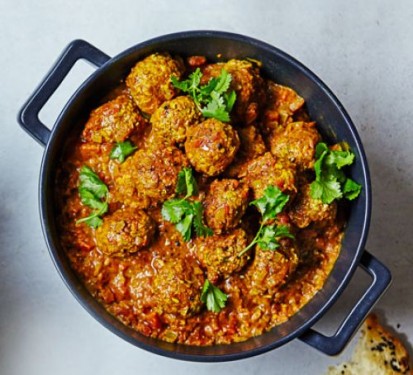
230	99
185	214
101	208
212	99
351	189
122	150
91	191
320	149
213	297
266	239
337	174
217	111
185	226
270	234
186	184
207	89
88	198
195	79
200	229
93	221
326	190
271	203
340	158
174	210
223	82
90	181
181	85
316	189
331	182
216	108
283	231
180	213
190	85
320	153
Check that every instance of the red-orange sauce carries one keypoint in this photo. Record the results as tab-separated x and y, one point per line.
147	290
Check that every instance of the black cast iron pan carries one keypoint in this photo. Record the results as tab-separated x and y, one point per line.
333	122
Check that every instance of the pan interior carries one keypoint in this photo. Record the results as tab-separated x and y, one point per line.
322	106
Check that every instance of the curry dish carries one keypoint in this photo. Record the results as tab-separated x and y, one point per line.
172	237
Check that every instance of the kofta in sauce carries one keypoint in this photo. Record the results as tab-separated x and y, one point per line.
134	258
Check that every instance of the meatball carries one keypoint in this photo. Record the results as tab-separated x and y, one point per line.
271	269
177	286
141	274
296	144
306	210
219	254
282	103
150	173
211	146
126	231
172	119
149	81
225	204
248	85
252	146
265	171
163	285
114	121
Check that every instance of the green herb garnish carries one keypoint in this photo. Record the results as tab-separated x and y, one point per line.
331	183
269	205
212	99
122	150
186	184
93	193
213	297
186	214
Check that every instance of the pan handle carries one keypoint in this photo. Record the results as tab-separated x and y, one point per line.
333	345
29	114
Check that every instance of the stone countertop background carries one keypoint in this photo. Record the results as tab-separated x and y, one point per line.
363	50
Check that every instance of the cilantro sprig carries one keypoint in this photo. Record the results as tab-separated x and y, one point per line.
186	214
269	205
212	99
331	182
94	194
213	297
122	150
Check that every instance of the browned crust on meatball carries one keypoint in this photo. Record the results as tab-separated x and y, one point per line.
150	174
271	269
225	204
177	286
150	83
295	143
172	119
306	210
126	231
113	121
282	103
252	146
219	254
265	171
211	146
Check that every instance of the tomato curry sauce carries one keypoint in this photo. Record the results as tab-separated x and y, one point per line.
157	202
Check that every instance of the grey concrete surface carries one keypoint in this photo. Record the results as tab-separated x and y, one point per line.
363	50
